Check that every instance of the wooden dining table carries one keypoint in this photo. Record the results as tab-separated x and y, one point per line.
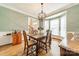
71	49
37	37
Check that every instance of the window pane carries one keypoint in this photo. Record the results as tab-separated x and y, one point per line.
63	29
54	26
33	22
46	25
63	25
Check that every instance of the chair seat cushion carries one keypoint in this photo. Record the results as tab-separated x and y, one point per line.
31	42
43	40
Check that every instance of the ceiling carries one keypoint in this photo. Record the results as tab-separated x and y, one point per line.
33	9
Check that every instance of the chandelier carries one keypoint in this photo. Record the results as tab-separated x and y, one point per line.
41	15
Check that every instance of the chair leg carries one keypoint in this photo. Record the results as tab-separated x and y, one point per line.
27	52
36	50
46	48
24	50
50	45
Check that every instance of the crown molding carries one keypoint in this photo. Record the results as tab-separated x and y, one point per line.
19	11
65	8
49	14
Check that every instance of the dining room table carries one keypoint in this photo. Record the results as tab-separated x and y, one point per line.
37	37
71	49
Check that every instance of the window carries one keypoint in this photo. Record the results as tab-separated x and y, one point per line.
54	26
63	28
57	25
33	22
46	25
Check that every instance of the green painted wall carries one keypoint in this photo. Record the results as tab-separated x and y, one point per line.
73	19
11	20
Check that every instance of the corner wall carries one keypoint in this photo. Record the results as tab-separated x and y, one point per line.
11	20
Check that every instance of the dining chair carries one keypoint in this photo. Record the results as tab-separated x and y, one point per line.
29	45
46	42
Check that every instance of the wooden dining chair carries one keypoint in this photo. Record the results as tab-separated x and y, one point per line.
29	45
46	42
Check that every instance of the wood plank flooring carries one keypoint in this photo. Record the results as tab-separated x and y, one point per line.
17	50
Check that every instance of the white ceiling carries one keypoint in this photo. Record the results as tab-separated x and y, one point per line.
33	9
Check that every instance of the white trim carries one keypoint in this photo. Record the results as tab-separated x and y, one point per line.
49	14
56	15
61	9
17	10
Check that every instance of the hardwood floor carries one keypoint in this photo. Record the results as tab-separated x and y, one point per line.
17	50
10	50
